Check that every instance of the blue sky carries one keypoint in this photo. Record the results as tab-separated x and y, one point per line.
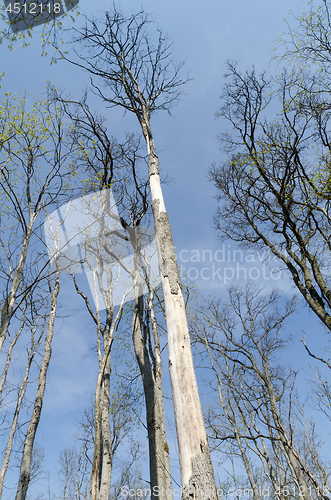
204	37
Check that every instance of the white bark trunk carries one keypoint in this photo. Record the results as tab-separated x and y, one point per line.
195	463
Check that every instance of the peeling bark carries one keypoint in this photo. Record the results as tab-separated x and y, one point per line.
191	434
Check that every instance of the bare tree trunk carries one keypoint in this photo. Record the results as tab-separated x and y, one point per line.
139	79
195	462
35	418
103	453
256	394
97	450
106	455
100	483
7	308
103	446
159	460
10	350
229	413
21	393
287	443
151	373
102	460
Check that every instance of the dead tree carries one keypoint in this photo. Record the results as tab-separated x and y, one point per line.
109	163
136	71
30	138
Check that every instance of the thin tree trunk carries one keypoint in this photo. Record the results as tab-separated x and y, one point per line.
35	418
160	422
106	455
102	460
103	451
7	308
159	460
287	444
195	462
103	454
97	445
100	481
10	350
21	393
